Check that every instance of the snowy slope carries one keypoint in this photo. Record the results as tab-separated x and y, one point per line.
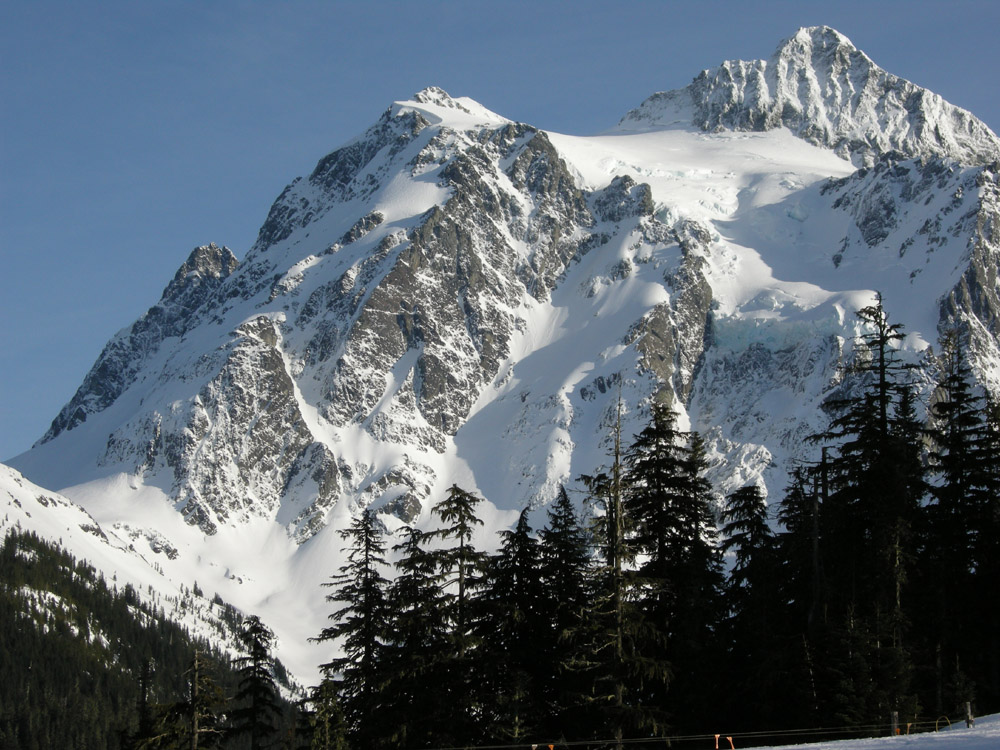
127	552
453	297
985	735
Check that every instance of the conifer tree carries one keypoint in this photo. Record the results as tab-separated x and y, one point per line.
752	606
513	636
565	566
609	668
799	578
960	463
195	722
360	625
327	723
871	502
461	566
257	710
416	706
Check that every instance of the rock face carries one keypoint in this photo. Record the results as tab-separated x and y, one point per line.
454	296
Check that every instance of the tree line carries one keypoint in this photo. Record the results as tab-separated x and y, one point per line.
871	587
85	664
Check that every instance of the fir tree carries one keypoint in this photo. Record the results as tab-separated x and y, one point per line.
513	636
257	710
610	666
751	595
195	722
416	708
327	723
872	496
461	566
565	566
360	625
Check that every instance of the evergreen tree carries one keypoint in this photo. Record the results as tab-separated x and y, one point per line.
328	727
360	626
873	489
195	722
416	706
799	579
753	609
611	668
513	637
960	463
691	577
565	567
257	710
461	566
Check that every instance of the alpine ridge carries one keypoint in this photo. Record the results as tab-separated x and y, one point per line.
456	298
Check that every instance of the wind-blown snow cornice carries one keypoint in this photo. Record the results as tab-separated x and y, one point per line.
825	90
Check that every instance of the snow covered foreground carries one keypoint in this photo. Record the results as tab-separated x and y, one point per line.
985	735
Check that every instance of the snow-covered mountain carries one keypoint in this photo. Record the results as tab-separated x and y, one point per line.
453	297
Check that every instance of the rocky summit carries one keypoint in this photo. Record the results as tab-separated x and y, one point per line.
453	297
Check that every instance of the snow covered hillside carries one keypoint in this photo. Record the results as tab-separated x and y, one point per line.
453	297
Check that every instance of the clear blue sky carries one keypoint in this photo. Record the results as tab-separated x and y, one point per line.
130	132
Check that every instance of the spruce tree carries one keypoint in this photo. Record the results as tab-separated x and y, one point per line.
873	486
461	566
610	665
960	464
195	722
328	726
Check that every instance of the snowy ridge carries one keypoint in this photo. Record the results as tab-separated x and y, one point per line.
822	88
453	297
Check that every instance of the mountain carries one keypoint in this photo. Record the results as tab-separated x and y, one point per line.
453	297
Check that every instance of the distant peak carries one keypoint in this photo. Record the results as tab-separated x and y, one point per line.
433	100
822	35
435	95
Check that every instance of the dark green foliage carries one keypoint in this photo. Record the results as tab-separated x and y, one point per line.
327	726
256	709
753	609
565	567
514	634
462	567
679	581
196	721
360	627
872	492
416	648
85	665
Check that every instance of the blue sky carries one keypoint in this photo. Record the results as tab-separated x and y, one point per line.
130	132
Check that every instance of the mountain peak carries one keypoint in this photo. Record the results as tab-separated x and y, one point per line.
824	36
436	95
827	92
438	106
